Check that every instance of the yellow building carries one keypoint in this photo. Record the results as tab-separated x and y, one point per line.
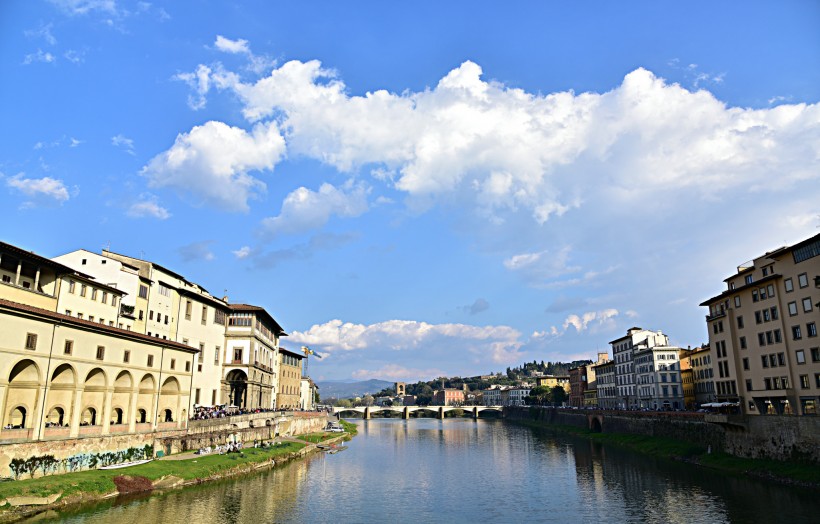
290	379
551	381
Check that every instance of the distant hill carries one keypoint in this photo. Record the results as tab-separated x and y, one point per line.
345	389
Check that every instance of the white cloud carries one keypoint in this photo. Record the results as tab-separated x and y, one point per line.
232	46
73	142
39	56
124	142
211	163
44	32
304	209
200	83
147	206
508	149
242	253
479	306
197	251
490	344
73	56
591	319
44	190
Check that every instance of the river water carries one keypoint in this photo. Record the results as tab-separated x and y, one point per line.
472	471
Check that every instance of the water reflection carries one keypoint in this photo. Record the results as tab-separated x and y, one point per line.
462	470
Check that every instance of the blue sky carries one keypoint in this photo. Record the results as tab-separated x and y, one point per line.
426	188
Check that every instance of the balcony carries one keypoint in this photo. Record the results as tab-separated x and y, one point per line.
719	314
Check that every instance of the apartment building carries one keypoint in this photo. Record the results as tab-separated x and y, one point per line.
290	377
605	385
577	386
514	396
622	353
703	375
657	377
763	332
448	397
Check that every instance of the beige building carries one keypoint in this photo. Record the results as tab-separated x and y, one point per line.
62	376
763	332
606	389
551	381
703	373
251	363
290	378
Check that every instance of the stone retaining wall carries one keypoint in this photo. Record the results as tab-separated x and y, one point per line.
751	436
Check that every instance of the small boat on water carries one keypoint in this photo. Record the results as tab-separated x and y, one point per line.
126	464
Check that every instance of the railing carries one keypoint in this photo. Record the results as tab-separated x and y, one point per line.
719	314
90	430
56	432
15	434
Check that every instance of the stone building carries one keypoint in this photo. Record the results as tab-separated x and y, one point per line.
763	332
622	354
290	376
700	360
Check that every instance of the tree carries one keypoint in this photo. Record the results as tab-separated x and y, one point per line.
558	395
538	396
343	403
367	400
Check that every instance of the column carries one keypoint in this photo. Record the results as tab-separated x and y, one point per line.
441	413
37	426
106	411
132	411
3	392
37	279
76	411
405	413
19	269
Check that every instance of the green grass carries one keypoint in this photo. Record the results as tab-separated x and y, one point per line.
101	481
315	438
349	427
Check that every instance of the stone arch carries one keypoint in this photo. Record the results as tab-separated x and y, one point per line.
57	416
167	415
96	378
25	371
89	417
142	416
169	399
170	386
237	387
117	416
595	424
145	398
93	399
124	381
64	376
24	382
18	417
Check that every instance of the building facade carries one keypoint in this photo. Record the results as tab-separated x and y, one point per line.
605	385
657	377
622	350
448	397
763	332
290	377
700	360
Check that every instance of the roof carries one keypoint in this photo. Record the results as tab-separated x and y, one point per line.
40	260
205	298
294	353
786	249
66	319
259	311
744	287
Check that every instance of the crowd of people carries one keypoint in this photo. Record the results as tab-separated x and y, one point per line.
223	410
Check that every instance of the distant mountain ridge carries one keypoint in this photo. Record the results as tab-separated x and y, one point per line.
344	389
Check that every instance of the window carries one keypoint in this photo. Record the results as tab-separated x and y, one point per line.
806	305
773	360
83	290
742	342
737	301
796	333
93	293
769	337
216	355
800	356
740	322
746	364
776	383
758	317
100	352
774	313
766	316
803	280
104	298
770	290
219	317
768	383
79	315
150	361
188	306
201	355
196	396
71	285
754	295
68	312
31	341
781	359
777	338
748	385
765	271
114	300
166	319
764	359
811	329
817	379
164	290
188	367
150	315
204	315
126	356
761	339
792	308
237	353
748	279
762	293
789	285
804	381
173	363
143	291
68	347
84	261
141	315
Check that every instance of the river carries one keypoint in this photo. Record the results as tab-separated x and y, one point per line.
472	471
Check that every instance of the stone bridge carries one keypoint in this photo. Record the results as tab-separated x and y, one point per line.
405	411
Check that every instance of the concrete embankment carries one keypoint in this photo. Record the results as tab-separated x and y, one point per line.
780	438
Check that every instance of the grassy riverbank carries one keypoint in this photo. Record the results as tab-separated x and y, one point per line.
350	428
800	473
95	483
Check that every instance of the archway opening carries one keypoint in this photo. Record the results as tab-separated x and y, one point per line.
238	387
117	416
89	417
142	416
168	416
56	417
18	418
595	425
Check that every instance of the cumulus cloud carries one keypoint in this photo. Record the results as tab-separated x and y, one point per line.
508	149
304	209
147	206
242	253
591	319
39	191
83	7
232	46
44	32
123	142
197	251
495	344
199	82
212	162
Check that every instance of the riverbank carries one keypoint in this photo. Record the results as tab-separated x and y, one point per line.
23	498
789	472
